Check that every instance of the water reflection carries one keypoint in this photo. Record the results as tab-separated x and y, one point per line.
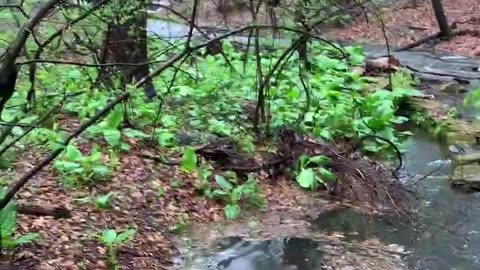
235	253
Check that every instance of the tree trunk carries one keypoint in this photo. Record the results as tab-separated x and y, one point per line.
126	42
445	31
302	47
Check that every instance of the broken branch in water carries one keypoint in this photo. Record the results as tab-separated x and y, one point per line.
19	183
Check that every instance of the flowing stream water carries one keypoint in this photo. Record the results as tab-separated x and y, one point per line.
449	236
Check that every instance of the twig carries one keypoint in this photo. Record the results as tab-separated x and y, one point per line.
19	183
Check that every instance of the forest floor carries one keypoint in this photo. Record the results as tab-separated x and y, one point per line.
404	24
407	24
148	196
159	201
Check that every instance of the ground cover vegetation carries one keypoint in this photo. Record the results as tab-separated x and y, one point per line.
105	144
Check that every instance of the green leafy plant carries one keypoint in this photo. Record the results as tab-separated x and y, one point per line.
78	169
8	220
311	172
103	201
110	130
233	194
112	240
189	160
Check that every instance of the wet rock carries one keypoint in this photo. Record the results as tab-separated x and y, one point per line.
467	177
453	87
454	150
467	158
454	130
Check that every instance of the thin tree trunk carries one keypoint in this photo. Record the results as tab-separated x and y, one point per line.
445	31
302	48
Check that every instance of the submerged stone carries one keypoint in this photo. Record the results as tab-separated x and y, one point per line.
467	176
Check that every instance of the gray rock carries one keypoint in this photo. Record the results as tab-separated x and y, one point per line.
467	176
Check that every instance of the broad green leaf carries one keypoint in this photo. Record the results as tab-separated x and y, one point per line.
405	92
218	193
72	153
67	165
103	201
306	178
133	133
326	176
108	236
115	118
232	211
223	183
8	218
74	74
165	139
320	160
124	146
237	193
17	131
189	160
309	117
356	54
125	236
302	161
325	134
112	136
101	170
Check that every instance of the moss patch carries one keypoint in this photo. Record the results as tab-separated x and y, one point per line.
437	119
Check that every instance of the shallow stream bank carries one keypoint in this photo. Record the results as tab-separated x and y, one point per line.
446	238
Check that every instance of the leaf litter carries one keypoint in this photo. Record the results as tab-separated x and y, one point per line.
405	24
72	243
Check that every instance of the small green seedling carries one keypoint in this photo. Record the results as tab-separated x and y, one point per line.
112	240
103	201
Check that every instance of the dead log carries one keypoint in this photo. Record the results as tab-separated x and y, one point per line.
38	210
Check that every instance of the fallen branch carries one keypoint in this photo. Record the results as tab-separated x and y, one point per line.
19	183
424	40
38	210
